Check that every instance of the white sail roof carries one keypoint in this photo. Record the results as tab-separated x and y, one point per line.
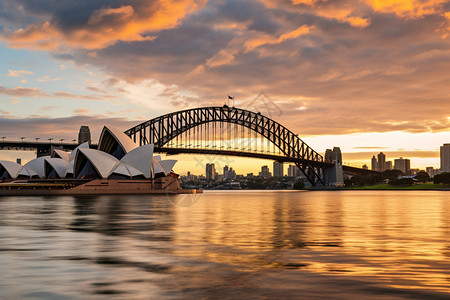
110	136
37	165
59	165
69	169
103	162
58	153
28	172
127	170
12	168
168	165
157	168
81	146
141	159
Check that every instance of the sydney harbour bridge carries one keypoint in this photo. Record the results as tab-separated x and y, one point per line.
223	131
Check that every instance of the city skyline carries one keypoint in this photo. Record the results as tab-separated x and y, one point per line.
336	75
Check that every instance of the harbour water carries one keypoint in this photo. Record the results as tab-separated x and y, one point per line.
227	245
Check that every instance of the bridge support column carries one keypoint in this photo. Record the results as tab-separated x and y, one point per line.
334	176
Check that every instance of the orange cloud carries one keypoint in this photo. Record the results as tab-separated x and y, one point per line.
407	8
105	27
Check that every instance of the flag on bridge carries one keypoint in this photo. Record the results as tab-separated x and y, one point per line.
231	98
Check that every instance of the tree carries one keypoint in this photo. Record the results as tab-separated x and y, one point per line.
442	178
422	176
391	174
299	185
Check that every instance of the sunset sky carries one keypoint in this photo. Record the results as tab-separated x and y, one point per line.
367	76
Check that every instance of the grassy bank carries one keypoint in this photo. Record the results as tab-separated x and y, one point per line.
425	186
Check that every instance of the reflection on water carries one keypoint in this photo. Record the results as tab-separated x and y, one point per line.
314	245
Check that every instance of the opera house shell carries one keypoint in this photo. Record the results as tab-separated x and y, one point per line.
117	166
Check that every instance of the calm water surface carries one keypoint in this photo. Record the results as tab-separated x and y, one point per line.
232	245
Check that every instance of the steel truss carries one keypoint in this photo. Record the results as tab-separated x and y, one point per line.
163	129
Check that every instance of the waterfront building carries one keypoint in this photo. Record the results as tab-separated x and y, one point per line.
388	165
445	158
431	171
278	169
402	164
381	162
210	172
84	135
365	167
374	163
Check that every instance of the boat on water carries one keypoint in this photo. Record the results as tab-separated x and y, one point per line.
117	166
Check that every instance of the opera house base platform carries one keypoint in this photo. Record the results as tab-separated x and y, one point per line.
47	187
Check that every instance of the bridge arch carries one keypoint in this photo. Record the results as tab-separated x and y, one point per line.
163	129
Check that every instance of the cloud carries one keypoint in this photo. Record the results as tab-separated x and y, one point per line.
103	27
18	73
46	78
407	8
21	92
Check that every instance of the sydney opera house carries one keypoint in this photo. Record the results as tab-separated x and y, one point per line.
117	166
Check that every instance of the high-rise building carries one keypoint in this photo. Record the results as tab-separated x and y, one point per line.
381	162
278	169
403	164
84	135
265	172
210	172
388	165
293	171
445	158
225	172
374	163
431	171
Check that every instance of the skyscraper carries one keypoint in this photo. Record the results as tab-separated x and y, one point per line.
225	172
445	158
388	165
402	164
374	163
293	171
210	172
381	162
264	172
278	169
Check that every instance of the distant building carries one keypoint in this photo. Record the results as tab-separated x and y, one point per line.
225	172
381	162
84	135
278	169
249	175
431	171
365	167
388	165
293	171
374	163
402	164
265	172
445	158
210	172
